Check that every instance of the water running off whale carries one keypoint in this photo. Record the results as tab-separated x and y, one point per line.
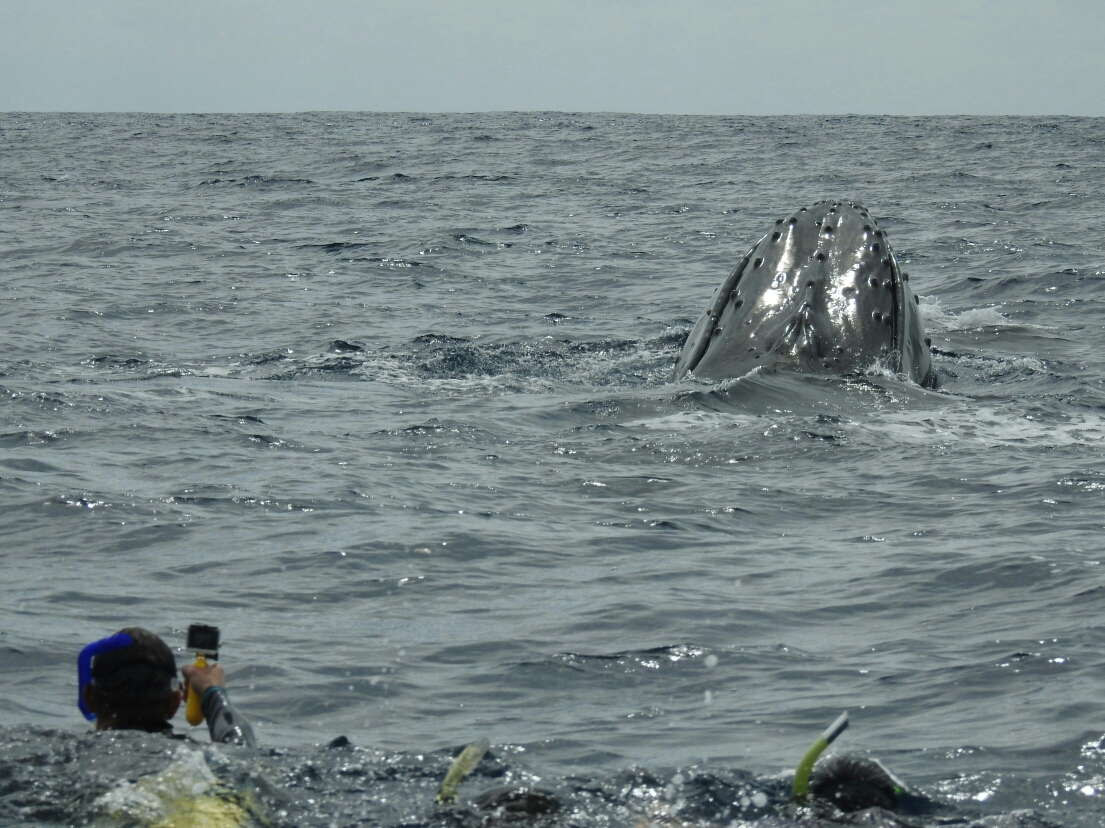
822	292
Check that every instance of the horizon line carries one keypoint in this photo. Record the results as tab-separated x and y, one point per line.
581	112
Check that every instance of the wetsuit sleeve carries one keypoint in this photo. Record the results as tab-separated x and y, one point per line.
225	723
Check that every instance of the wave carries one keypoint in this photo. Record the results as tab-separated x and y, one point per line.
937	319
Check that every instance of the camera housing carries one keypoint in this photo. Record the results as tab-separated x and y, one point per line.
204	640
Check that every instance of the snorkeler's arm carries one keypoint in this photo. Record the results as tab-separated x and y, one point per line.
224	722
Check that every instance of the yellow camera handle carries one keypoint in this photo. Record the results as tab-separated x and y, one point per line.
193	712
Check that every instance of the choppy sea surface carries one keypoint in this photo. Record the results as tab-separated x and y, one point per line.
389	399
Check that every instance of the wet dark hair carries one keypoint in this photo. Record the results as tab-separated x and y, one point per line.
132	687
853	783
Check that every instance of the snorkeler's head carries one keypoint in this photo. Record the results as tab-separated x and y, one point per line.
854	783
132	685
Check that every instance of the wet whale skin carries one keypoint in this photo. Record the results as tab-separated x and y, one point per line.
822	293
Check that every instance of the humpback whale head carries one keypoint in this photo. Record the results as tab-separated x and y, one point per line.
821	292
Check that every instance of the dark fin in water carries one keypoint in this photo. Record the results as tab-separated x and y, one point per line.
341	346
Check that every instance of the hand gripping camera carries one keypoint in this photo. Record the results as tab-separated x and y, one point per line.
204	642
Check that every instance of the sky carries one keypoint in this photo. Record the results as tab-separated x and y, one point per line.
717	57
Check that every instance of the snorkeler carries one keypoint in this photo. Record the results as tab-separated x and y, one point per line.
128	681
852	783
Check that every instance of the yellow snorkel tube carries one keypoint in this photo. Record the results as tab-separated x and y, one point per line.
461	767
802	773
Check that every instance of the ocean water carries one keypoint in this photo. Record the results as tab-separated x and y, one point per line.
389	399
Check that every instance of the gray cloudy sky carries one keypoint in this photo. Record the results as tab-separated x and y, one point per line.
1030	57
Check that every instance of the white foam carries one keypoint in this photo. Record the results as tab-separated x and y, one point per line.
985	426
879	368
938	319
979	318
152	798
694	420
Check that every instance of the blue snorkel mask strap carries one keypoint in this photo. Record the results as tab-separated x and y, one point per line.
84	664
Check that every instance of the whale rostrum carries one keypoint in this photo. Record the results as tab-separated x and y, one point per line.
822	293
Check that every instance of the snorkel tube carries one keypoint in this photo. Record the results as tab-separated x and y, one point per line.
461	767
84	665
802	772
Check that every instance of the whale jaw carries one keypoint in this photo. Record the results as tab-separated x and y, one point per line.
821	292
